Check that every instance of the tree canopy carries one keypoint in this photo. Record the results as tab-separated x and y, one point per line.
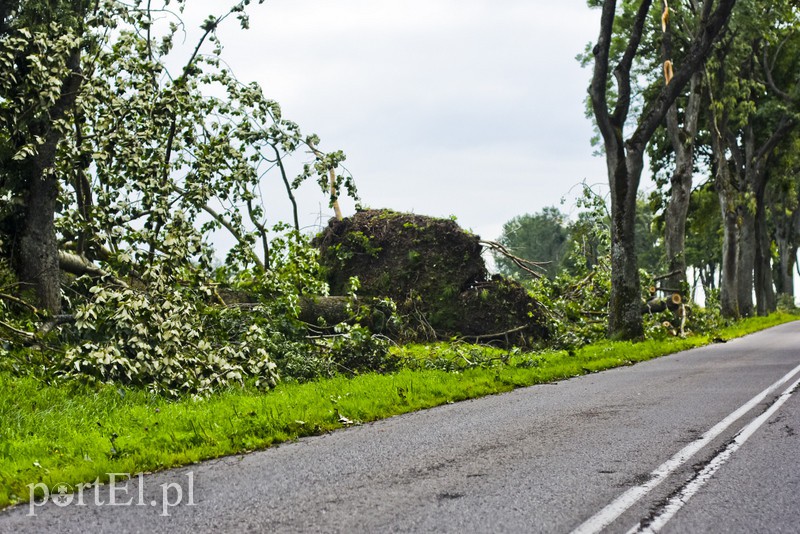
115	166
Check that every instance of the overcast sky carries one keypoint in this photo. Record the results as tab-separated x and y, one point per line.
472	108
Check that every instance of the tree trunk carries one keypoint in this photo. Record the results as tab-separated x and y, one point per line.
766	301
37	262
38	249
625	319
727	193
682	141
745	261
757	177
728	294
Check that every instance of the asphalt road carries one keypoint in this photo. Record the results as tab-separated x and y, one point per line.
617	451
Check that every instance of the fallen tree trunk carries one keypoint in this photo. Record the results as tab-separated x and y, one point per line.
674	304
79	266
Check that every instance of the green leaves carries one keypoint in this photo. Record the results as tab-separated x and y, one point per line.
167	339
151	159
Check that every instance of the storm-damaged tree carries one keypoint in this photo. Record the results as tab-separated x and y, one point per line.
682	124
611	104
115	166
96	117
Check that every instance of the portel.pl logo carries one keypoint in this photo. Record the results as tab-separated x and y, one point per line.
118	494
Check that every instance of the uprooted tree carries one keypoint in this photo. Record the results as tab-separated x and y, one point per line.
434	272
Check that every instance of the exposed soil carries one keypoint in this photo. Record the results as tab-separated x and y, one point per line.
434	272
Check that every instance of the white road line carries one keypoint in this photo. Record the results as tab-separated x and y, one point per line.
689	490
618	506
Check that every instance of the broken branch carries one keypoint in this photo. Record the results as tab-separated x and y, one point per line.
522	263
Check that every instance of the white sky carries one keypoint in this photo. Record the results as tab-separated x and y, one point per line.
472	108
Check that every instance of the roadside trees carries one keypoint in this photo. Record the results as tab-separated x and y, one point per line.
624	25
541	237
754	98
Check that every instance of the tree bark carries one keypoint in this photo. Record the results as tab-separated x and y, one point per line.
624	158
38	254
729	296
682	141
625	320
37	262
728	203
766	301
745	261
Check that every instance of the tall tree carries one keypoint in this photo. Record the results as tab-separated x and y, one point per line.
40	46
681	131
750	116
625	153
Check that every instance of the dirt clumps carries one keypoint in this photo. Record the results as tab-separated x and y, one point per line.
434	272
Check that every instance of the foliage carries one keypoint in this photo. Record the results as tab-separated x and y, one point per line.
350	349
576	246
152	160
166	338
649	243
704	237
577	305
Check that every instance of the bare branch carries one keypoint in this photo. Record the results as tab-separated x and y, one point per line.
292	199
18	301
29	336
522	263
262	231
236	235
598	88
476	339
622	72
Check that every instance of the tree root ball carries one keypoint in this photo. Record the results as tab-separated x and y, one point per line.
434	272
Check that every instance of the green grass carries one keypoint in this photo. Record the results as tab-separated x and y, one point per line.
74	433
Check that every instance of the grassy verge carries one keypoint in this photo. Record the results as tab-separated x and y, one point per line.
72	434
